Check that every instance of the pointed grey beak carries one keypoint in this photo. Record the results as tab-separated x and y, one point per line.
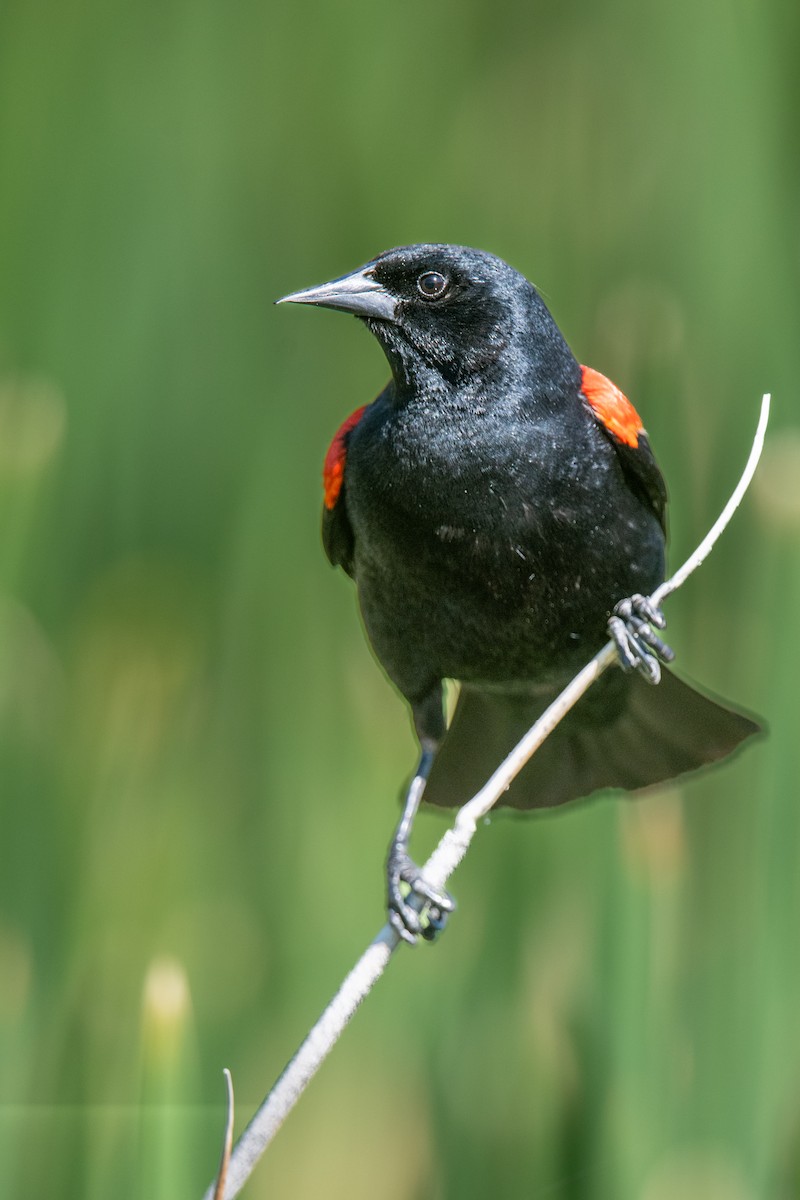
359	293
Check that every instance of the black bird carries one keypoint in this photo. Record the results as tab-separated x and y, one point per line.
501	512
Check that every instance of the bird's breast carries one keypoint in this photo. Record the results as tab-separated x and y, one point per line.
492	550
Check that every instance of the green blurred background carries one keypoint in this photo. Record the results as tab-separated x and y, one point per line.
199	760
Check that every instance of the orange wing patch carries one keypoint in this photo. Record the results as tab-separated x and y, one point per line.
611	407
333	467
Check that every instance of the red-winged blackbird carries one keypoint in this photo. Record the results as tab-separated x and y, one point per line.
494	506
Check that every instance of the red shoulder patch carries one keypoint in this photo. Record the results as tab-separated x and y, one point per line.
333	467
611	407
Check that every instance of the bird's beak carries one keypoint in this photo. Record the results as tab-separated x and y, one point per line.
359	293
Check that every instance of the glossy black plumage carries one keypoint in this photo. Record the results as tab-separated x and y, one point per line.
492	517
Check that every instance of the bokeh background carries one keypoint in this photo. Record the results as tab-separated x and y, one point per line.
199	760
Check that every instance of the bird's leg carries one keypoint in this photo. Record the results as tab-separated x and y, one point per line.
632	629
415	908
403	877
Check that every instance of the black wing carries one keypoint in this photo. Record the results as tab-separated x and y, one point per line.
337	532
621	423
644	478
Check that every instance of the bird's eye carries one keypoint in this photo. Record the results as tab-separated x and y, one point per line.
432	285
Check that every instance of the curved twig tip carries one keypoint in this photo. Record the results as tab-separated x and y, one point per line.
694	560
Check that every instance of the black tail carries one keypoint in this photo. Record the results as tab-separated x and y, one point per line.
624	733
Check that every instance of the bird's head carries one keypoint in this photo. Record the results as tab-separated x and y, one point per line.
440	310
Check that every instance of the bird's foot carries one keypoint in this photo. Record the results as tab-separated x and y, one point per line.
632	629
424	918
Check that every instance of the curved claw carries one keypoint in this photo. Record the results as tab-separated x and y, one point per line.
401	929
642	607
638	646
409	920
